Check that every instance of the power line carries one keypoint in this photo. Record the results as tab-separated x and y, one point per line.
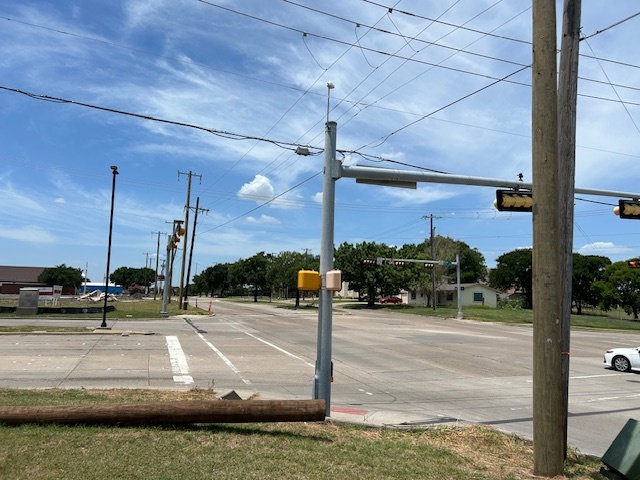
263	204
614	89
383	139
404	37
220	133
473	30
610	26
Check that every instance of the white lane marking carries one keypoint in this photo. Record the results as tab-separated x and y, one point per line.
603	399
235	325
224	359
588	376
279	349
179	365
596	376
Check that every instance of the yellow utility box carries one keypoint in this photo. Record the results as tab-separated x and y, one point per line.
309	280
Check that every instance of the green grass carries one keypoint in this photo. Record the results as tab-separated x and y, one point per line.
125	308
255	451
48	329
616	321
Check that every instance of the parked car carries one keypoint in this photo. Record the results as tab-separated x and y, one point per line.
623	359
391	300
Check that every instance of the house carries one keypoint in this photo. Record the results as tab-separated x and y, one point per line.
472	294
446	295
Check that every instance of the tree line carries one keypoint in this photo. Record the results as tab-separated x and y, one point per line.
596	281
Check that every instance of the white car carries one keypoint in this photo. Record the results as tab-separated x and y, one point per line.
623	359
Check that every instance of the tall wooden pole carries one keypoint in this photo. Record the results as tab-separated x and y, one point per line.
185	237
548	425
167	413
567	112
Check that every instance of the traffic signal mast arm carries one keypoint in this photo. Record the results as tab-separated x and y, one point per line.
402	261
403	176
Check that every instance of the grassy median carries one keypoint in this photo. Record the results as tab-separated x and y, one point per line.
255	451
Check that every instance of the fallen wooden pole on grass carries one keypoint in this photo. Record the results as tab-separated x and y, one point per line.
167	413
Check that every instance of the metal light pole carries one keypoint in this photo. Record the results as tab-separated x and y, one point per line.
106	279
323	375
460	315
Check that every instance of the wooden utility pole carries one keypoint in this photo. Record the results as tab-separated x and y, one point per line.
548	424
155	288
169	413
186	234
193	240
567	112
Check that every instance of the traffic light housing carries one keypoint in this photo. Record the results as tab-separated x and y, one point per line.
397	263
178	232
372	261
513	201
628	209
429	264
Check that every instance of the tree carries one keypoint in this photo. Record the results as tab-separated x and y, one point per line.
514	270
370	281
283	272
61	275
252	272
472	264
212	279
587	269
420	277
127	276
620	287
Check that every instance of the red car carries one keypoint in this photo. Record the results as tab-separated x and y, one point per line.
391	300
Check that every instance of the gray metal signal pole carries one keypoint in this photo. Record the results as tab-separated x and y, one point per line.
334	170
323	374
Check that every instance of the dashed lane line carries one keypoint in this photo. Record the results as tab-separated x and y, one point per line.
224	359
179	365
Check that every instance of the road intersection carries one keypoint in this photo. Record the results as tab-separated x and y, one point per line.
389	368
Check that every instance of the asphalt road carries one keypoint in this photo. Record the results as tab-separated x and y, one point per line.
388	367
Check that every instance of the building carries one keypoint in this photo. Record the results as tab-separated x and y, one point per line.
93	286
12	279
472	294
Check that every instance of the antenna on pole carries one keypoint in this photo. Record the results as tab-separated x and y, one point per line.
330	86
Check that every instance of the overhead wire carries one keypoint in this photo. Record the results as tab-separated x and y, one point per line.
220	133
386	60
295	103
614	89
176	123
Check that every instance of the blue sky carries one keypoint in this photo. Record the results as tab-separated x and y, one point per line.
259	70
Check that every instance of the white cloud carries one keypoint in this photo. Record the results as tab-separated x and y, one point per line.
606	249
317	197
264	220
258	190
421	195
29	234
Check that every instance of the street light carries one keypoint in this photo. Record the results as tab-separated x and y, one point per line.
106	278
